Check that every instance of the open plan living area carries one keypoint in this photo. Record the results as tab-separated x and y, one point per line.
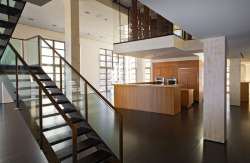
133	81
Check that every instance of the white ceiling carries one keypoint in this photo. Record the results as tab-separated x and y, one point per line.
96	24
165	53
38	2
210	18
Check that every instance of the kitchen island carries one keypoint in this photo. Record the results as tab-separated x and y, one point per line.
165	99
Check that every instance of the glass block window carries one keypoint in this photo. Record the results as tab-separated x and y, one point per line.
111	69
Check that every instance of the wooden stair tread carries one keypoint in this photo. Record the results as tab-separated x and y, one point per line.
66	136
97	156
8	10
74	120
81	146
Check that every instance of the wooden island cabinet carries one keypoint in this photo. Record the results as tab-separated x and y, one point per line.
189	74
187	97
165	99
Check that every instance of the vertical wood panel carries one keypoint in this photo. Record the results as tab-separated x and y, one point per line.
235	81
134	22
146	22
214	107
159	25
166	100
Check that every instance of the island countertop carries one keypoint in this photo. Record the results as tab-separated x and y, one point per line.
146	85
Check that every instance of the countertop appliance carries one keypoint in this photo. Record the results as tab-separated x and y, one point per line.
172	81
159	80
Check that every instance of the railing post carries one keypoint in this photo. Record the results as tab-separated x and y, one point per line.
39	51
86	101
41	117
61	74
74	135
17	96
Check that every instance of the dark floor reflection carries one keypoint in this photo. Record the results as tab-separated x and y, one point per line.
151	137
214	152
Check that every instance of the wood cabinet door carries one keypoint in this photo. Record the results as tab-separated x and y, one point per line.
157	72
165	72
189	80
182	79
174	73
192	83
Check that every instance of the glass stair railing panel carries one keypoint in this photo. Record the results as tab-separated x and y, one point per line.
32	51
74	88
18	44
51	63
8	71
105	121
12	3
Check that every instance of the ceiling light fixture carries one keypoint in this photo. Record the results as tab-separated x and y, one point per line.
98	15
241	55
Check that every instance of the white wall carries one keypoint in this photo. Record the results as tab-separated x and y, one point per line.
243	73
247	77
140	70
90	66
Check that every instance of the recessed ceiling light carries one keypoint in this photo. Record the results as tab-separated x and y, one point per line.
86	12
31	19
98	15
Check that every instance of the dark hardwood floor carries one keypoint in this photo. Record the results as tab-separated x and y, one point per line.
17	143
159	138
150	137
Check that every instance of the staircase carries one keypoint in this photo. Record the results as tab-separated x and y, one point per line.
63	128
10	12
83	129
71	121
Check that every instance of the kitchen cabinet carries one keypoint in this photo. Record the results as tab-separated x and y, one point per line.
189	80
187	97
157	72
189	74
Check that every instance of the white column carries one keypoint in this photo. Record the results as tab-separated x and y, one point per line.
72	43
235	77
72	33
214	106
